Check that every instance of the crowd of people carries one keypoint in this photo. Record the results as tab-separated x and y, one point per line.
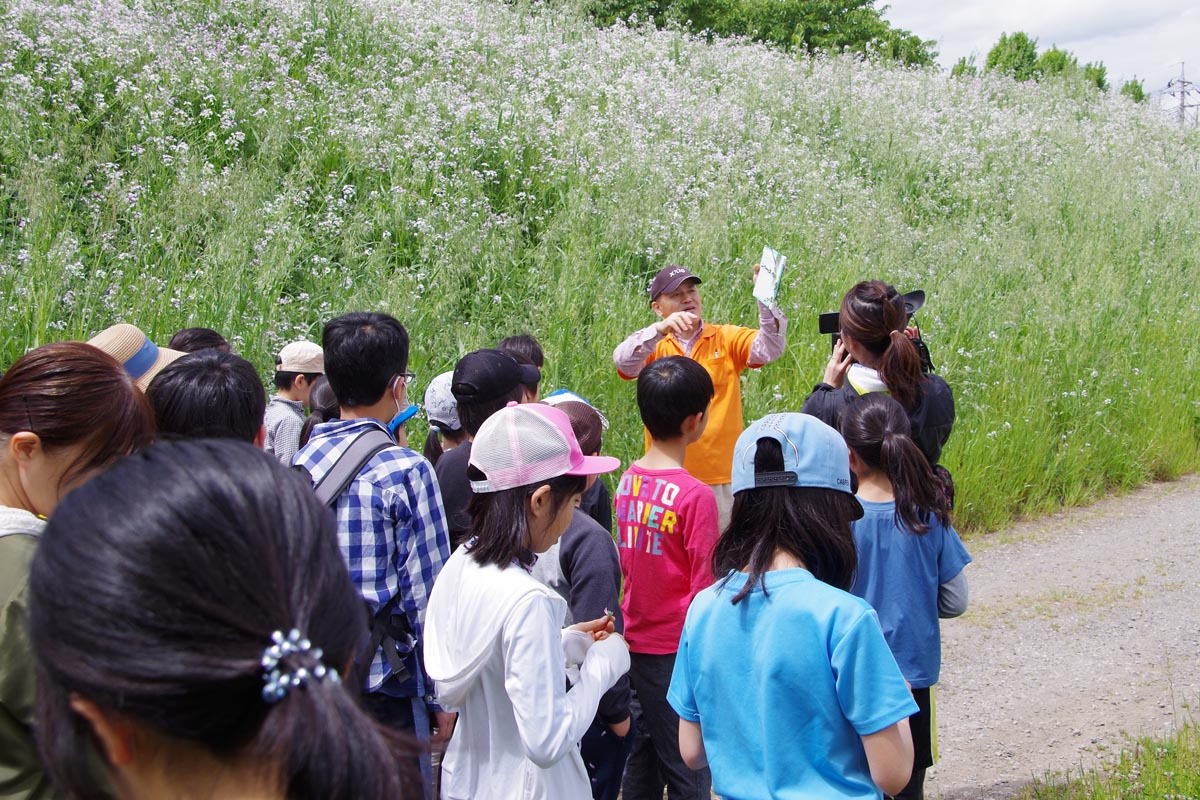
209	592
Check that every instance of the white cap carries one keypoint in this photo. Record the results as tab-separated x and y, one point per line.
301	356
440	406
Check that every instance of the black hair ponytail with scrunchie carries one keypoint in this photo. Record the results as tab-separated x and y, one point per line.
154	593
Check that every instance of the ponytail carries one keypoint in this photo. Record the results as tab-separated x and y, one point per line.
918	492
873	314
323	406
328	747
877	429
433	446
900	370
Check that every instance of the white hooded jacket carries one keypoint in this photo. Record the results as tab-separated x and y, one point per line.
497	652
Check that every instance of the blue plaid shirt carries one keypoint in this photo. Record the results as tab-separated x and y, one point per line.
391	528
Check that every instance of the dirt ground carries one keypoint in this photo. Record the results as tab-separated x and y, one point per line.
1082	631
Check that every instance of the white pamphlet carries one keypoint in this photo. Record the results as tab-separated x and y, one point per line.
770	273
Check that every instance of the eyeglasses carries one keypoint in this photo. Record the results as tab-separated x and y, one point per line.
407	377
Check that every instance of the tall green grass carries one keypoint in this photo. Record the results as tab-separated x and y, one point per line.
1154	769
259	166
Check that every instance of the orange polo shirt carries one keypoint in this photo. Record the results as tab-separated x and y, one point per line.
723	351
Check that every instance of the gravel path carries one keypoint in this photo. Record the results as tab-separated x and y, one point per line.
1082	631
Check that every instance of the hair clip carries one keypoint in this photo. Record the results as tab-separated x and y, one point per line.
278	682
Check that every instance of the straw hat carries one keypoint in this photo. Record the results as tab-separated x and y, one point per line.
142	358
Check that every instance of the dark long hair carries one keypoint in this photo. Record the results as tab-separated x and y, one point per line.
873	315
70	393
433	449
878	430
323	406
813	524
500	520
155	591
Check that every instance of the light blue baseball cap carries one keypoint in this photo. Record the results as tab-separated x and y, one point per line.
814	454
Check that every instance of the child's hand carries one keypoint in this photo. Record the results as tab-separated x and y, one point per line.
599	628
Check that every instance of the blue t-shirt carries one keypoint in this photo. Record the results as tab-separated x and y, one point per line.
899	574
784	684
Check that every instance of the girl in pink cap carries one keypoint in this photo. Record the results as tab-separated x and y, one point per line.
494	641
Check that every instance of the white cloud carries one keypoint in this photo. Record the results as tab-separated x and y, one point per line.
1146	38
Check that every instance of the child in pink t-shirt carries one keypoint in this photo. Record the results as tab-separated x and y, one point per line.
666	530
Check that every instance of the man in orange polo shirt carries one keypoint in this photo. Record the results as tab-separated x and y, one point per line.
723	350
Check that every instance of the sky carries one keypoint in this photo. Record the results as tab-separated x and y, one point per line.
1134	38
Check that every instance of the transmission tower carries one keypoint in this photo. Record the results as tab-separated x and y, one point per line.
1186	91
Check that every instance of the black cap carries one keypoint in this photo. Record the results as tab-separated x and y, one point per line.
485	375
668	280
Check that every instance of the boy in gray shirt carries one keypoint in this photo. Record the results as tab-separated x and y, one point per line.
296	367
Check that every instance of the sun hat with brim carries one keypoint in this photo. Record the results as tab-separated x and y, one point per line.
521	445
140	357
814	455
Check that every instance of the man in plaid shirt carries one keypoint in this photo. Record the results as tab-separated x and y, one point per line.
391	524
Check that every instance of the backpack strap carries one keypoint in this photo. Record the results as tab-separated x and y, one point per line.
364	447
390	630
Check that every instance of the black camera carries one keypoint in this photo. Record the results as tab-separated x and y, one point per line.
830	323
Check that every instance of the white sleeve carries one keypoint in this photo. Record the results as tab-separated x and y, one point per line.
551	720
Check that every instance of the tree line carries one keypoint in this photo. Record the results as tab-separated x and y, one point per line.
810	26
855	26
1017	55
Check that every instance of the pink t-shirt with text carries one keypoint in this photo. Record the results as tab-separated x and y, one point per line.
666	530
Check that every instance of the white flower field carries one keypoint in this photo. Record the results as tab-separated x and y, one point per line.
476	169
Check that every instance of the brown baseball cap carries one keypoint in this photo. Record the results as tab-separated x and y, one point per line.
668	279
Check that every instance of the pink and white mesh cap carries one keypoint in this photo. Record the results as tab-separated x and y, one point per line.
523	444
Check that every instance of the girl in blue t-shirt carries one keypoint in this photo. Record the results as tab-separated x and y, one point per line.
910	560
783	682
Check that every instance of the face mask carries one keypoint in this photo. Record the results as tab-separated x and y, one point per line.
401	418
